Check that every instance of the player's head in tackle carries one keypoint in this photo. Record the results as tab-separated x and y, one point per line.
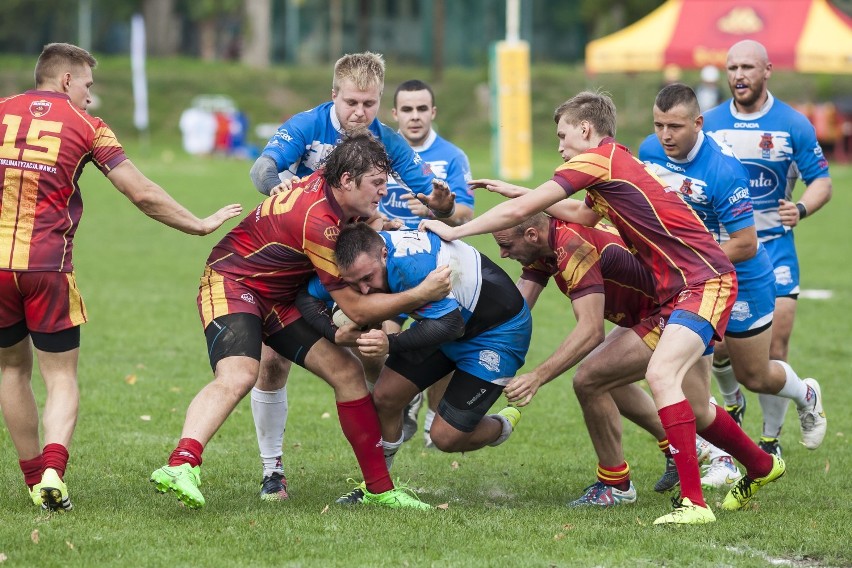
362	258
677	120
526	241
66	68
356	89
583	121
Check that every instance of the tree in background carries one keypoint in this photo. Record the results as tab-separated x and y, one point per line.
607	16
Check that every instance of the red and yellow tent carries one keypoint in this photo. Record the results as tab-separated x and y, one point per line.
810	36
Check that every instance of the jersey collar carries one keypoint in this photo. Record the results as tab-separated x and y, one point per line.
430	139
55	94
335	122
692	153
767	106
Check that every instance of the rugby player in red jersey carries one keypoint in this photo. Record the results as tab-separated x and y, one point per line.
47	139
695	281
247	298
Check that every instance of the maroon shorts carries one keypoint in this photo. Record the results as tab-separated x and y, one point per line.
48	301
219	296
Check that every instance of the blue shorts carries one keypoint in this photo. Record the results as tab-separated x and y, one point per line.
782	252
753	308
497	354
696	323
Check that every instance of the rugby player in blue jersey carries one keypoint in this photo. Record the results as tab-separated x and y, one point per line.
715	184
414	110
297	149
480	333
777	145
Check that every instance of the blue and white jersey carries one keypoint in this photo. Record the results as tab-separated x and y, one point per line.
715	184
412	255
447	162
777	145
305	140
318	291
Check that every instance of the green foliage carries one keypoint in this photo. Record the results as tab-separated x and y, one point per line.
205	9
143	359
271	96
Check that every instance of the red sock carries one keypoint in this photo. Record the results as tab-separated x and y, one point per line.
664	447
360	425
618	476
55	457
188	451
679	424
724	433
33	469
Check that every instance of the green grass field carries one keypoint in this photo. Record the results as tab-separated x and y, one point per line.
143	359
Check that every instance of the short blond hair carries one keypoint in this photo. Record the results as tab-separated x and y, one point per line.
595	108
365	70
56	58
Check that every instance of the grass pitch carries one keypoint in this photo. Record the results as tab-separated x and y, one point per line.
143	359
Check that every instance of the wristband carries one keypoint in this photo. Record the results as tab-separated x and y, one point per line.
444	214
803	211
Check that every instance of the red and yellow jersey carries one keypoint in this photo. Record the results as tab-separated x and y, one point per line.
280	244
651	217
45	141
594	260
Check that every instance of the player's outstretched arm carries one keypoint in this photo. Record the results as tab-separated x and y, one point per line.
502	216
497	186
153	200
588	334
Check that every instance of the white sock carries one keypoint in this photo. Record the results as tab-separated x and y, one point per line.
794	388
507	429
774	409
728	385
427	424
390	449
269	409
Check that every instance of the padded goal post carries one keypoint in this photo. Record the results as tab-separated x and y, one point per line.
511	115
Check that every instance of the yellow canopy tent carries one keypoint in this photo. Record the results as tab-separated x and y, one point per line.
809	36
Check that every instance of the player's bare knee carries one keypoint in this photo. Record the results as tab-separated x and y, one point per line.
386	401
446	438
583	384
273	373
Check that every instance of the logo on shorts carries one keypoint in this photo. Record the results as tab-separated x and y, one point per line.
740	311
476	397
247	298
684	296
490	360
783	275
40	108
331	233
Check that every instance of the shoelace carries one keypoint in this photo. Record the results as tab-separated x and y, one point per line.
744	487
404	487
359	486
